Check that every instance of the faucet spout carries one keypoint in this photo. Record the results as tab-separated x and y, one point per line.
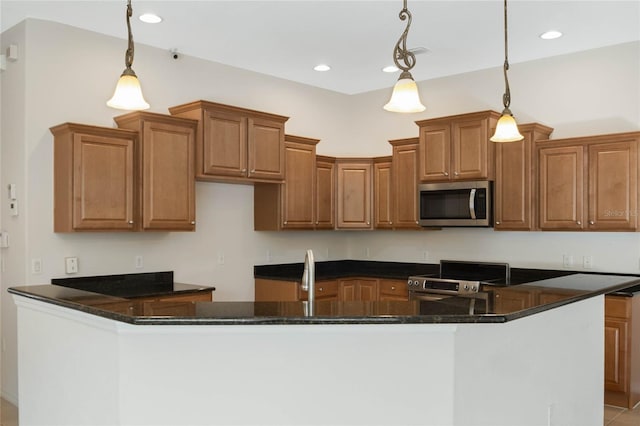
309	280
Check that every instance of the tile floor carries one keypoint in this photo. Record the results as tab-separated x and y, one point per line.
613	416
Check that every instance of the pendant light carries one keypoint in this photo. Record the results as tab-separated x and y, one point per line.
405	96
128	94
506	129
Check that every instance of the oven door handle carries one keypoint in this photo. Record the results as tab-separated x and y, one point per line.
472	203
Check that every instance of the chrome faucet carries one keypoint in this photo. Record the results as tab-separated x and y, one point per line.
309	281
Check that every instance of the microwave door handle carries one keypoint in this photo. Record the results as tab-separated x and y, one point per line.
472	203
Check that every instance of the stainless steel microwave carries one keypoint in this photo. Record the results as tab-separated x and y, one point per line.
456	204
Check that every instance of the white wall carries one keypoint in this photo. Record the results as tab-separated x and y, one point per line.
66	74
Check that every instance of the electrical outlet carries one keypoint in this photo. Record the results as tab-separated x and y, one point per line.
269	257
71	265
587	262
567	260
220	258
139	262
36	266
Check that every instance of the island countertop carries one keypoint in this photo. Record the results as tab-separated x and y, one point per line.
544	294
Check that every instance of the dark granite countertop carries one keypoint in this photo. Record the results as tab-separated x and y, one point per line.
149	284
331	270
558	291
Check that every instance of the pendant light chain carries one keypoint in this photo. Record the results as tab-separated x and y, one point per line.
506	97
401	53
128	55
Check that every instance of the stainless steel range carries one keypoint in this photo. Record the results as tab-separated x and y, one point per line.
461	279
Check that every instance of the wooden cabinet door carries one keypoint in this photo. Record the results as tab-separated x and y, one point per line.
507	300
613	186
469	145
298	201
348	290
561	187
354	195
512	193
168	176
325	193
435	152
404	194
103	182
615	354
224	152
266	149
327	290
367	290
382	195
392	290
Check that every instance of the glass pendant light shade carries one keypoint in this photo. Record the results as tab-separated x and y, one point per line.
128	94
506	129
405	96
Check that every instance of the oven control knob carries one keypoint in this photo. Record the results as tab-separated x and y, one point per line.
473	288
466	287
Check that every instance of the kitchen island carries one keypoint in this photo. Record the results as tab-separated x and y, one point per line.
86	361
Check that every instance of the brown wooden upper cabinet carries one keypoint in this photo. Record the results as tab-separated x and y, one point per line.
236	144
165	171
514	191
354	193
325	201
457	147
382	193
589	183
404	174
395	184
93	176
292	204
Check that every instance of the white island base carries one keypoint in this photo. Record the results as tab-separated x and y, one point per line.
81	369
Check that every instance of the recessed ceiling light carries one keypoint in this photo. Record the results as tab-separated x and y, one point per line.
390	68
150	18
322	67
550	35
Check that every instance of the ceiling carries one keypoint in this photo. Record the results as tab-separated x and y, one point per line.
356	38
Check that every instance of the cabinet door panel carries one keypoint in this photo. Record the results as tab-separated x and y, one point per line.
168	189
561	187
382	195
615	355
470	150
102	182
405	187
613	186
298	200
325	199
367	290
435	152
509	300
348	290
225	144
354	195
266	149
513	185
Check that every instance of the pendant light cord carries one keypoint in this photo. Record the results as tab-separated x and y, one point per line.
506	97
401	53
128	56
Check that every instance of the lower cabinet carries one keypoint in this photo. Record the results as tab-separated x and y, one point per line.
174	305
343	290
622	351
358	289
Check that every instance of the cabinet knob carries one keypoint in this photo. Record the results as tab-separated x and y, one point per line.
390	223
320	289
368	223
193	222
285	222
317	222
578	222
446	173
591	222
393	287
253	170
497	222
130	222
417	223
244	170
456	173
